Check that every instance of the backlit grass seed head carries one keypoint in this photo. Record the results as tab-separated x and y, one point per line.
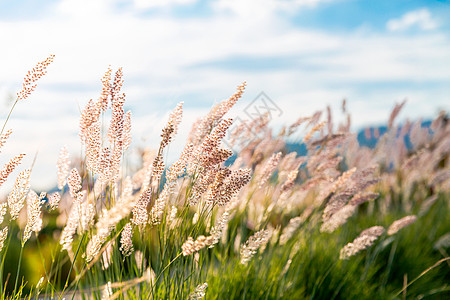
401	223
117	83
89	116
252	245
178	168
4	137
214	188
74	182
29	83
93	147
339	218
199	292
140	213
159	206
53	200
290	229
106	89
313	130
172	216
232	185
34	216
87	215
16	197
9	167
158	168
3	208
105	225
202	127
63	167
126	243
268	169
443	242
176	117
126	135
217	230
115	130
362	242
3	235
72	223
190	246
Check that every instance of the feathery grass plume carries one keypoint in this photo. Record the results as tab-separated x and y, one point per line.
34	216
338	211
158	169
140	214
398	107
3	235
252	245
232	185
53	200
202	128
126	244
442	243
63	167
3	208
202	154
313	130
338	200
221	223
268	169
204	179
199	292
160	204
106	89
294	224
9	167
214	188
362	242
294	126
93	144
29	83
126	134
87	214
4	137
116	85
105	166
116	126
172	217
72	222
16	197
401	223
178	168
191	246
176	117
427	204
338	218
363	197
74	182
107	291
105	225
89	116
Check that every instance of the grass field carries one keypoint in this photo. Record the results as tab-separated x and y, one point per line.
343	221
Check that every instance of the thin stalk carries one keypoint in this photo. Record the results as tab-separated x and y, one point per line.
9	115
18	269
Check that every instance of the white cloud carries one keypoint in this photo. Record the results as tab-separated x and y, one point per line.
146	4
421	18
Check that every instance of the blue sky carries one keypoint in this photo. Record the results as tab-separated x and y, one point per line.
304	54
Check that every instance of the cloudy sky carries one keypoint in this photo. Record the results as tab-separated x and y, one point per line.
304	54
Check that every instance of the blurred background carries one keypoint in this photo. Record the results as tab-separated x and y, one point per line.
303	54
